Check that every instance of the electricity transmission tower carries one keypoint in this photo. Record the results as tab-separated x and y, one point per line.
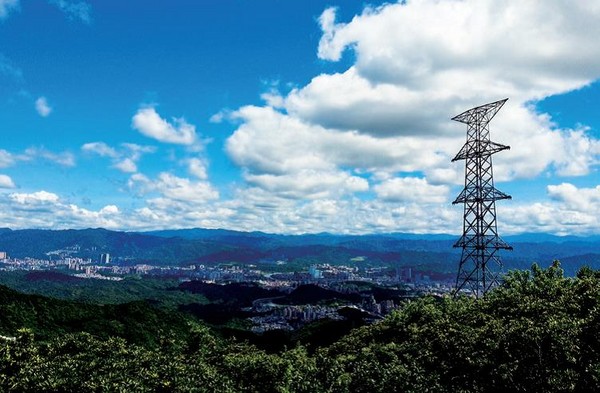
480	263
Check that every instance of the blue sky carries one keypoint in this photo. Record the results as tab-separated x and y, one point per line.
293	116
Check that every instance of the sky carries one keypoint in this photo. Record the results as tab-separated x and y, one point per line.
294	116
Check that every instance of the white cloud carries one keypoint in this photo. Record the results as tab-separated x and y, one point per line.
570	210
39	197
309	184
171	187
75	10
6	182
371	120
6	6
125	159
65	158
43	209
100	148
148	122
269	142
322	208
580	153
6	159
136	151
387	116
197	168
220	116
256	209
250	209
420	63
42	107
292	159
411	189
127	165
109	209
273	97
579	199
532	43
183	189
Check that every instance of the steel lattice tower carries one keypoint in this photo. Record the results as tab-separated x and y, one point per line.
480	264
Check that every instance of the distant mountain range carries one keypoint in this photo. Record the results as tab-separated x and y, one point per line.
209	246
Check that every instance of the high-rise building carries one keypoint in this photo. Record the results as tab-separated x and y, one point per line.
105	258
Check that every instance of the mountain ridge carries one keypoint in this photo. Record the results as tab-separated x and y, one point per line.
209	246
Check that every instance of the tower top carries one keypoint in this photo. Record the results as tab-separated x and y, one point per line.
482	114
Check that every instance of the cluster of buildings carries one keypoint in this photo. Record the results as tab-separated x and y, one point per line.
292	317
340	278
326	275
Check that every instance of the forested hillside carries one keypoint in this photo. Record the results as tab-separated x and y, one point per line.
536	333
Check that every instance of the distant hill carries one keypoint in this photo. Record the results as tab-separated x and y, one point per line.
432	253
90	243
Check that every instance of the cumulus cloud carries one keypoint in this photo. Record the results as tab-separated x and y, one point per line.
183	189
256	209
387	116
42	107
6	6
6	182
124	159
250	209
175	188
171	201
420	63
570	210
44	209
35	198
309	184
272	145
411	189
579	199
148	122
471	39
127	165
100	148
197	168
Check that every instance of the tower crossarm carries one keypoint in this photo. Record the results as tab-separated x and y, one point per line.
482	194
475	149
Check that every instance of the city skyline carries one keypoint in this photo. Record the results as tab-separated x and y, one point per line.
294	117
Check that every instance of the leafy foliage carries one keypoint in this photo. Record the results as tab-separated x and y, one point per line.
138	322
536	333
163	292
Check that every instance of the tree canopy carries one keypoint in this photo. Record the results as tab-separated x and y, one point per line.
537	332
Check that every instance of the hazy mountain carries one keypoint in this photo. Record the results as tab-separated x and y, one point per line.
187	246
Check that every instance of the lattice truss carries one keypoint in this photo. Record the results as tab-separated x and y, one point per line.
480	264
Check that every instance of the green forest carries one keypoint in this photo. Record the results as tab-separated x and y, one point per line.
537	332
